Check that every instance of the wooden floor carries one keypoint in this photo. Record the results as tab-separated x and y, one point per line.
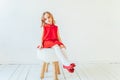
86	71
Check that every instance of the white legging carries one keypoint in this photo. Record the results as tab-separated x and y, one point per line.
61	54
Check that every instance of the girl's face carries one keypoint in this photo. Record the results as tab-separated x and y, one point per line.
48	19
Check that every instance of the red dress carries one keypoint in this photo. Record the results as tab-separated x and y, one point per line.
50	37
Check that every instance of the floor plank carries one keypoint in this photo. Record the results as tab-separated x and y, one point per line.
83	71
94	72
25	72
18	72
112	70
7	72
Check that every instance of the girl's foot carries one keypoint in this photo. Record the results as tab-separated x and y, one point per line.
70	68
73	64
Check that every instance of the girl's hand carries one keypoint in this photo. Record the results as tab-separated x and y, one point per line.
62	46
40	47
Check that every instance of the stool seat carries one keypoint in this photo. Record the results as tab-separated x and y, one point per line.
47	55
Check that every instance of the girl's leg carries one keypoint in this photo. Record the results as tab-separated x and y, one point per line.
60	52
64	53
61	55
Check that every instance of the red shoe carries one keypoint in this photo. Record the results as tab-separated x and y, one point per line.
73	64
70	68
67	67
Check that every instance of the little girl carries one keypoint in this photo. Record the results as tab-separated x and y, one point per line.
51	39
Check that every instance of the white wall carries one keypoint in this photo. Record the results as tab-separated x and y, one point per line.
89	28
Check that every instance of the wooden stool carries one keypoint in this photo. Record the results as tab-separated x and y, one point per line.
47	55
56	69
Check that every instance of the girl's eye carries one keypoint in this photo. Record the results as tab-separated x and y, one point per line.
44	18
49	17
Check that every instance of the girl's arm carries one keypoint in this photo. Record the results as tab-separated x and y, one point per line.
41	39
59	38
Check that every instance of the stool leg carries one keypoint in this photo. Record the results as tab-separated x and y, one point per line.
46	67
55	71
42	70
57	67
